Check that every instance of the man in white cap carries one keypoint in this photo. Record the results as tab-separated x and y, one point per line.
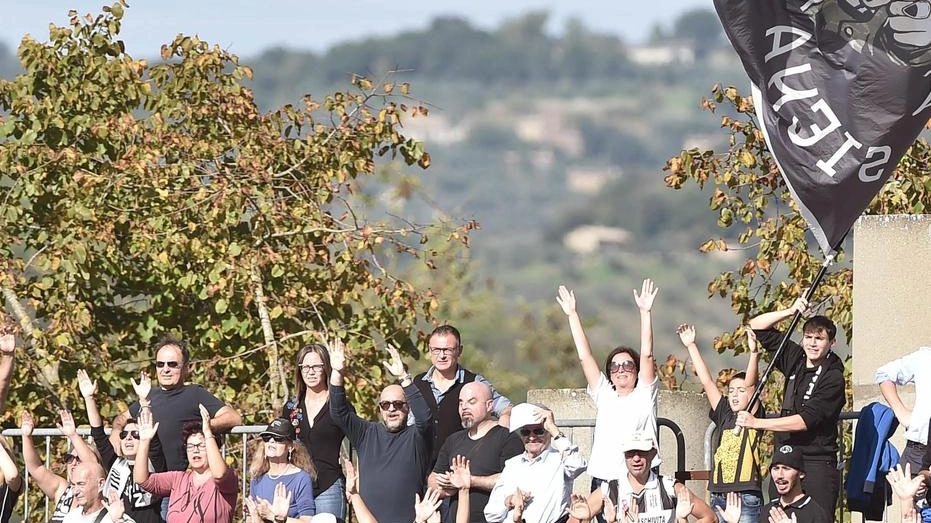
648	496
536	485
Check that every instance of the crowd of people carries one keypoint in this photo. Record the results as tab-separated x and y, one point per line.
449	448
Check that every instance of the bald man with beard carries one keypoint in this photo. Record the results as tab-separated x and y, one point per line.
88	504
485	443
393	457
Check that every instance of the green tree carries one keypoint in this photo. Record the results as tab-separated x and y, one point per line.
143	199
701	27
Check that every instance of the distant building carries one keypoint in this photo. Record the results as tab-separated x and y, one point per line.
589	238
590	179
662	54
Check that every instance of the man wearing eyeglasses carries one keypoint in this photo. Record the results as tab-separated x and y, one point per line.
441	383
535	486
393	457
174	403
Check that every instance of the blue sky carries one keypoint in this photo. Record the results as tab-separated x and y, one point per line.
248	27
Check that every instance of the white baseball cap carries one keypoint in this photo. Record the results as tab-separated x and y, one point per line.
523	415
638	440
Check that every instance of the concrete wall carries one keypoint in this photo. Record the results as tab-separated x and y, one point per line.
689	410
891	306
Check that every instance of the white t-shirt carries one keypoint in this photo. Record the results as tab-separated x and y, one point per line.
913	368
615	418
77	516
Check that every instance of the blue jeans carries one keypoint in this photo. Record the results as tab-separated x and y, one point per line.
332	500
751	506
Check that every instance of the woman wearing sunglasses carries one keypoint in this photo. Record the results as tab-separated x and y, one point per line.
309	414
279	460
625	393
207	491
120	460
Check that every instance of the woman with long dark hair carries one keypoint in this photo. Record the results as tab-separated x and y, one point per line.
309	414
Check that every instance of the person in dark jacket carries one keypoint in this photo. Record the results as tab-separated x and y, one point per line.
812	399
393	457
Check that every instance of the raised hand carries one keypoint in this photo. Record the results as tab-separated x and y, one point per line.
8	331
731	512
115	506
67	423
777	515
205	420
424	508
337	351
610	511
751	341
686	333
460	475
684	504
281	503
566	300
143	387
903	484
87	387
519	500
26	424
632	510
549	422
647	294
146	424
394	364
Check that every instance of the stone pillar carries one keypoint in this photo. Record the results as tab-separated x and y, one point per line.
891	309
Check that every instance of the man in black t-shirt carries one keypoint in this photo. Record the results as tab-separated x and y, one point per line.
788	473
485	443
812	399
173	403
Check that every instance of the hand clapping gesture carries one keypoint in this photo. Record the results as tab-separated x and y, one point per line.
460	474
731	512
281	503
115	506
684	504
904	485
777	515
426	507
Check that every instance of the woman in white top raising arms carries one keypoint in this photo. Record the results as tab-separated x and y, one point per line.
624	393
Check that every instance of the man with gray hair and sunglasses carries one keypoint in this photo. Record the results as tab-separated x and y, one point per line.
536	485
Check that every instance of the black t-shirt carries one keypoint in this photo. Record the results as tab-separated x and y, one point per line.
172	409
806	510
322	441
737	463
486	455
816	394
8	499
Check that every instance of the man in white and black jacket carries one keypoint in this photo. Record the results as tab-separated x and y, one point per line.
812	399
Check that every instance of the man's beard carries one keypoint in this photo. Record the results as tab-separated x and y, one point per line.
468	423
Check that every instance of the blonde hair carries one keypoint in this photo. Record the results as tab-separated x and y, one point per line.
297	456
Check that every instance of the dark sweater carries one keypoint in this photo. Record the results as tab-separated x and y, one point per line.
392	465
819	406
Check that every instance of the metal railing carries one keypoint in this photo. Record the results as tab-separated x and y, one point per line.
243	431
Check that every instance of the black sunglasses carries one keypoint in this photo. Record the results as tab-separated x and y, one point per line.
386	405
538	431
69	458
278	439
627	366
133	433
171	364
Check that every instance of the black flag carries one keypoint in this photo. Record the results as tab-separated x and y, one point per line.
841	89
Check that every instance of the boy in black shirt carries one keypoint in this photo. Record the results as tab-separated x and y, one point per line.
812	399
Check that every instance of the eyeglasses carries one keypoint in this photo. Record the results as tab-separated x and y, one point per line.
537	431
196	446
278	439
444	350
69	458
308	369
133	433
170	364
386	405
626	366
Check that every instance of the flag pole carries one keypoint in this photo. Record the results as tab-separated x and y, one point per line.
828	260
